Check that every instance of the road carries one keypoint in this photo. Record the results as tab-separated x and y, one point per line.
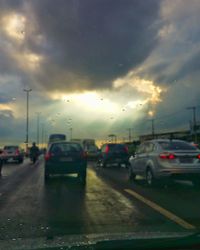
109	203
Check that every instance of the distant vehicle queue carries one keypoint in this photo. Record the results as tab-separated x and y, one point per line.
159	161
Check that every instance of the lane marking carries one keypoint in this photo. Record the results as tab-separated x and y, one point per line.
161	210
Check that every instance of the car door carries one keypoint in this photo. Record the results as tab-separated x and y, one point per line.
143	158
146	156
136	161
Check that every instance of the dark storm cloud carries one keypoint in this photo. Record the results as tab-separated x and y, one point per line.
90	43
169	72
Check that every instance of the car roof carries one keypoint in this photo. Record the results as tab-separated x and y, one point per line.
166	140
114	144
65	142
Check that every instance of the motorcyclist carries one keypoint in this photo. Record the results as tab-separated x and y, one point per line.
34	152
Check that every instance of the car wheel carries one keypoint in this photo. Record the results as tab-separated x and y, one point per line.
98	163
20	161
82	177
150	178
131	175
104	164
46	176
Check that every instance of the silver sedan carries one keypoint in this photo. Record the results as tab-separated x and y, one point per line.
163	159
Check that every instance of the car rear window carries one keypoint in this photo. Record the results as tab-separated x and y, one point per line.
66	147
177	145
117	147
92	147
10	147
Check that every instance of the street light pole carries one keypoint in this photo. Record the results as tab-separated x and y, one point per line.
70	133
42	136
152	128
129	134
27	117
38	127
194	121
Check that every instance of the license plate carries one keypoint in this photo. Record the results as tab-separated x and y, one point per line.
186	160
66	159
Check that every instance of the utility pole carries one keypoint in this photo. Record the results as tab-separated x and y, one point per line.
27	117
38	127
42	136
193	108
152	128
129	134
70	133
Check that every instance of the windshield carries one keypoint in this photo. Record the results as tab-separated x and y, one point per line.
117	147
177	146
65	147
10	147
99	119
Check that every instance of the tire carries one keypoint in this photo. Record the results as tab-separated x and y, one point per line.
46	176
150	180
131	175
98	163
104	164
20	161
82	177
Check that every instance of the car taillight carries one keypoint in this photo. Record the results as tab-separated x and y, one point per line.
167	156
198	156
126	149
107	149
17	152
48	156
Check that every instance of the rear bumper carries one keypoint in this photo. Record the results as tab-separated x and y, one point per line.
177	173
117	160
12	157
67	169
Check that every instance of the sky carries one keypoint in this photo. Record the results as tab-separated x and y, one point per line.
98	66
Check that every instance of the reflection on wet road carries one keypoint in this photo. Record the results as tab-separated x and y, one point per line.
30	208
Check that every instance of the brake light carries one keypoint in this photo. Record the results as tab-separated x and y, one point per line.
198	156
167	156
107	149
17	152
48	156
126	149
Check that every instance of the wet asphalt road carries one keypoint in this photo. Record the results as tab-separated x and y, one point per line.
29	208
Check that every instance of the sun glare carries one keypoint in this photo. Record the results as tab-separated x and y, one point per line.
14	26
88	101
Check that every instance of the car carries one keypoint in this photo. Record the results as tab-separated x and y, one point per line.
162	160
92	152
13	152
65	158
113	154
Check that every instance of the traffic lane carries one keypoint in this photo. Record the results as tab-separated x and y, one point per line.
12	166
12	174
33	208
180	198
